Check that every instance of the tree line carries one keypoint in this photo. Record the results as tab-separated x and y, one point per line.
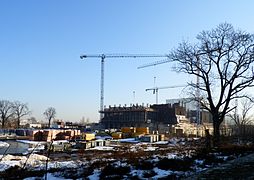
11	113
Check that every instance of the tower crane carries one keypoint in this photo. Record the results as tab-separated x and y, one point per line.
103	57
198	81
156	89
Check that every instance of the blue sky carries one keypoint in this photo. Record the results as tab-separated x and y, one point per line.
41	41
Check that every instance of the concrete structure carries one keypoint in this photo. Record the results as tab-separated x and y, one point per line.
91	144
190	107
178	118
135	115
53	134
141	116
190	129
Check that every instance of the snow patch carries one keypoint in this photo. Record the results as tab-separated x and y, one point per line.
128	140
102	148
161	142
3	144
171	156
63	164
150	148
31	161
161	173
138	173
95	175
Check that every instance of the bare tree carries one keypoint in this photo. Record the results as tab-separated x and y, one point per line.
242	119
20	110
222	59
50	114
6	111
32	120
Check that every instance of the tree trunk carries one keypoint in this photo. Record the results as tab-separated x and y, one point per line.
240	131
18	122
216	130
49	122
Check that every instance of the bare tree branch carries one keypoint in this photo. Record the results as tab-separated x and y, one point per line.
20	110
6	111
50	114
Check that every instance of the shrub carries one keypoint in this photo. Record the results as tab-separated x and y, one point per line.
175	164
211	159
75	173
144	165
16	172
113	171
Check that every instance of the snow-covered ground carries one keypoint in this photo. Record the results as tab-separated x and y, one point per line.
31	161
102	148
129	156
150	148
95	175
3	144
128	140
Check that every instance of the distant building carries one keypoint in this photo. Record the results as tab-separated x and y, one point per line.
57	124
71	125
135	115
35	125
30	123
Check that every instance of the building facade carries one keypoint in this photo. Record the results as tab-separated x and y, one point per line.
141	116
190	107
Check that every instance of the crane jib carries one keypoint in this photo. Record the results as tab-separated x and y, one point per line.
123	55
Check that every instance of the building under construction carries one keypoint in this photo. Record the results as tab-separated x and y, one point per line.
190	107
141	116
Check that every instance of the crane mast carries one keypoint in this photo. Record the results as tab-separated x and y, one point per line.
102	86
103	57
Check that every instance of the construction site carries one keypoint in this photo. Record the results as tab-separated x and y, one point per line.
168	140
172	117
